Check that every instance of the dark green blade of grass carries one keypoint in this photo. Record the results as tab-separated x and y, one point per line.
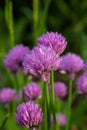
4	122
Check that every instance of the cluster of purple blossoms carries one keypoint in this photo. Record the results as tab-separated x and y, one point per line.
15	57
60	118
32	91
53	40
71	63
7	95
40	61
60	90
29	115
81	84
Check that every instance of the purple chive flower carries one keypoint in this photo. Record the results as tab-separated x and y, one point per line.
40	61
14	59
71	63
85	66
60	118
32	91
54	40
7	95
81	84
29	115
60	89
18	96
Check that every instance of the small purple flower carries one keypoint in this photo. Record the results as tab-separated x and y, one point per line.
14	59
40	61
53	40
18	96
61	119
32	91
81	84
60	89
71	63
85	66
29	115
7	95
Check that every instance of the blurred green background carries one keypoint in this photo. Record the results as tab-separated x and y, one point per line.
22	21
31	18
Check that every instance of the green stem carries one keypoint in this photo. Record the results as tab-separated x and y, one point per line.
45	117
11	30
47	105
9	20
20	80
43	16
53	97
69	104
59	108
35	17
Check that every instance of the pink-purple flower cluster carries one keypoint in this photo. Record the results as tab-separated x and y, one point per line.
15	57
7	95
60	89
61	119
81	84
71	63
53	40
29	115
40	61
32	91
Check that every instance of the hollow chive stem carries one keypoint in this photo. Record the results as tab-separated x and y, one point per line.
53	97
47	105
69	105
9	19
35	18
58	111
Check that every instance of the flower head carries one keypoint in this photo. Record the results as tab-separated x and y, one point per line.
40	61
71	63
29	115
14	59
60	89
81	84
32	91
61	119
7	95
54	40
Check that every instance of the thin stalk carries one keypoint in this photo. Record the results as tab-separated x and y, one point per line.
9	20
11	29
53	97
45	117
59	108
69	104
47	105
43	16
35	17
47	4
20	80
